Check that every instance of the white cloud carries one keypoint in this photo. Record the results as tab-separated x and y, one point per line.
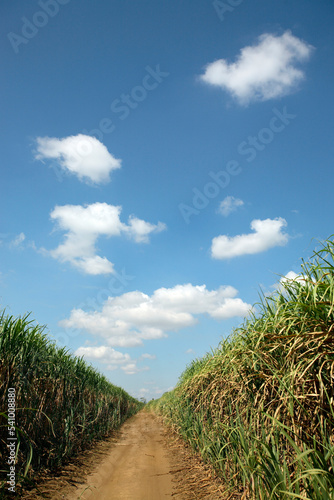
104	354
18	240
130	318
148	356
229	205
114	359
267	234
82	155
262	71
85	224
132	369
290	277
140	229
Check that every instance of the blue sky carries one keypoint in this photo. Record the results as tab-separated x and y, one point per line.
161	161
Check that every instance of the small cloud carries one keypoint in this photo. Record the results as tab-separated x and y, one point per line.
229	205
190	351
263	71
267	234
112	358
104	354
16	242
290	277
139	229
132	369
83	225
82	155
148	356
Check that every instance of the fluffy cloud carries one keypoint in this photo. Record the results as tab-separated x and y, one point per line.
267	234
85	224
114	359
140	229
82	155
104	354
291	278
130	318
263	71
229	205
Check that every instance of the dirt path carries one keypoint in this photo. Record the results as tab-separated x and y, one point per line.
137	467
141	461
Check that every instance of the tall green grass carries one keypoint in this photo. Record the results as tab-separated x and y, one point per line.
62	403
260	407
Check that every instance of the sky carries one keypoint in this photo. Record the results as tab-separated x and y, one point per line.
163	162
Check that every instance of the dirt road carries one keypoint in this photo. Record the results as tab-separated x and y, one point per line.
136	468
140	461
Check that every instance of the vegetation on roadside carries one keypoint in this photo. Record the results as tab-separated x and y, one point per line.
61	403
260	407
